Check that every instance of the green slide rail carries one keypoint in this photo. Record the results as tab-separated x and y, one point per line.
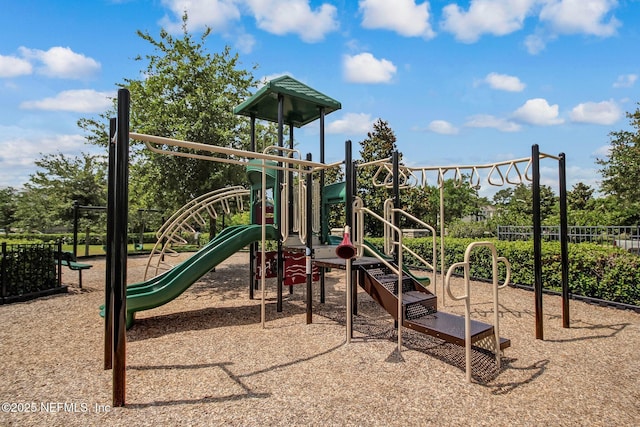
171	284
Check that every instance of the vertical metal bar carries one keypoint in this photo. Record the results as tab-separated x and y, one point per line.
349	187
442	257
564	240
349	280
396	194
309	244
324	218
253	247
277	209
75	228
263	244
87	241
141	235
290	184
354	189
108	288
119	268
290	211
537	241
400	318
59	262
164	241
3	270
349	172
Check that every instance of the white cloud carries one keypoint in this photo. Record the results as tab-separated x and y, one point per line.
625	80
402	16
504	82
62	62
442	127
351	124
535	43
11	66
497	17
580	16
537	111
80	101
591	17
244	42
489	121
600	113
216	14
365	68
602	152
575	174
18	153
294	16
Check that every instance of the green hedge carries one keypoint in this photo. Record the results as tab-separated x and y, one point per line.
603	272
27	269
94	238
67	238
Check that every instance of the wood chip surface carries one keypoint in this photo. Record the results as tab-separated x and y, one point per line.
204	359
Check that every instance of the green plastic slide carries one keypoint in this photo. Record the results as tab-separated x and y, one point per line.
171	284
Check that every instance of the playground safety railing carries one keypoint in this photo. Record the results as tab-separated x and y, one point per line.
359	211
466	297
292	155
390	244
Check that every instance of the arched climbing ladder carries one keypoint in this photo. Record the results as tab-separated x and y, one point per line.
195	213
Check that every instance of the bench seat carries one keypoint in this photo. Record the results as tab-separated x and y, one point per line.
68	260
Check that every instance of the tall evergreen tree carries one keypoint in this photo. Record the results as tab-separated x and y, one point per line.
8	203
579	196
379	144
621	170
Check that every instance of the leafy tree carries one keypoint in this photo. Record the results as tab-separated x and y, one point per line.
515	206
460	200
621	170
579	196
8	203
600	211
48	196
502	198
418	201
189	94
379	144
336	212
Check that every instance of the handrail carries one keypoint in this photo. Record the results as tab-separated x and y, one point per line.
466	297
389	210
284	192
358	220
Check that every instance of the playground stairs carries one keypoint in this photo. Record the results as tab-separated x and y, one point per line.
420	309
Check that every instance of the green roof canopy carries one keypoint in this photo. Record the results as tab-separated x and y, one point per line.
301	103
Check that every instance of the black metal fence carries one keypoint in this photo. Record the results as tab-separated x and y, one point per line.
622	236
28	271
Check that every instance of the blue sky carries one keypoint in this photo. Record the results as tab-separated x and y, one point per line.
459	82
